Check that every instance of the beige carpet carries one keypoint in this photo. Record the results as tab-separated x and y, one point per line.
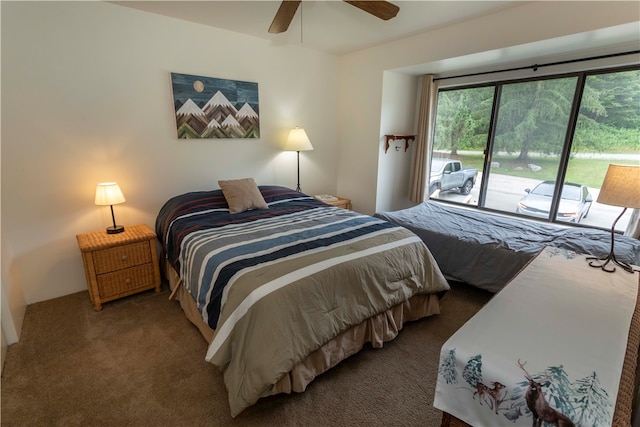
139	362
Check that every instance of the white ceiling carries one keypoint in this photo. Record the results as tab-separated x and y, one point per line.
331	26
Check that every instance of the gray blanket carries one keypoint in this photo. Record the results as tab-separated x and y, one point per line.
487	250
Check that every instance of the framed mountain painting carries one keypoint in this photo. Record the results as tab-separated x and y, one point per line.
208	107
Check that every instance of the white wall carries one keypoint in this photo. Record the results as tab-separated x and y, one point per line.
13	303
490	40
86	97
4	347
398	117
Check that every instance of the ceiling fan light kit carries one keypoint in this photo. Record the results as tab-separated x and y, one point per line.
384	10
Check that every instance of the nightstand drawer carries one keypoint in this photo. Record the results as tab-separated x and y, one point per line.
121	264
341	203
125	281
118	258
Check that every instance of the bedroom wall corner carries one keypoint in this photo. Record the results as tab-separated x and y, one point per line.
360	93
13	304
397	117
12	301
5	349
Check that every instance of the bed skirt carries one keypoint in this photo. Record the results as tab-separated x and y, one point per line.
376	330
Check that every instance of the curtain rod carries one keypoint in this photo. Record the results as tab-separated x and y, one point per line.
535	67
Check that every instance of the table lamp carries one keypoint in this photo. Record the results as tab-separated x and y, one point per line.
298	141
621	187
109	193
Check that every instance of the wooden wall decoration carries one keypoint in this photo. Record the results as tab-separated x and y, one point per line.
209	107
406	138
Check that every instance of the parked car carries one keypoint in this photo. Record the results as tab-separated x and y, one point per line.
575	201
448	174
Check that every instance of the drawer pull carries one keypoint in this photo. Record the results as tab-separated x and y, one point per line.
128	281
123	257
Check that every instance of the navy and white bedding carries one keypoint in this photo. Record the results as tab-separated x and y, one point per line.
300	269
208	246
487	250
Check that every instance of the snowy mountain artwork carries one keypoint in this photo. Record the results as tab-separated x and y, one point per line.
208	107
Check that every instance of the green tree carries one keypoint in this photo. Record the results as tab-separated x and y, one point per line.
533	116
447	368
462	119
609	117
472	372
592	401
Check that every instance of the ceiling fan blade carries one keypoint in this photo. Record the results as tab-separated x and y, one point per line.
284	15
381	9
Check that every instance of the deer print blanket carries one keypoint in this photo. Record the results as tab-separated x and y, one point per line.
546	350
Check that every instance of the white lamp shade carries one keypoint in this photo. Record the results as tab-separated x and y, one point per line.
621	187
297	141
109	193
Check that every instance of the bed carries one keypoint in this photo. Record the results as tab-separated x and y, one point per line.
487	250
285	291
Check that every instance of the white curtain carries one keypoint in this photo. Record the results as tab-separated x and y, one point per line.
422	154
633	228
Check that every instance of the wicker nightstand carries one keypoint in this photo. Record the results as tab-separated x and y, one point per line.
341	202
118	265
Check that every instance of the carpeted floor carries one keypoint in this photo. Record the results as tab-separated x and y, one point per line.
139	362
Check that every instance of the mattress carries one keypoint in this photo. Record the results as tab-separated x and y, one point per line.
487	250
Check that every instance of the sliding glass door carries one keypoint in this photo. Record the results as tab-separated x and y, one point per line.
541	146
532	120
462	129
607	131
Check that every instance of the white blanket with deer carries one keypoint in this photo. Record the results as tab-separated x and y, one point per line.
546	350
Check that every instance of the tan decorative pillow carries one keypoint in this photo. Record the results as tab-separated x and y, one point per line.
242	195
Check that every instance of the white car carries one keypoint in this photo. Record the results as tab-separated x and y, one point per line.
575	201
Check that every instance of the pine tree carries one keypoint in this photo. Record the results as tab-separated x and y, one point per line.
463	117
448	368
559	391
472	372
534	115
594	404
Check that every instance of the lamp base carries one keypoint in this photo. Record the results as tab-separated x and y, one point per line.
607	260
612	255
115	229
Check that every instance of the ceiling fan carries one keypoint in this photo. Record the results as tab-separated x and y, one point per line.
382	9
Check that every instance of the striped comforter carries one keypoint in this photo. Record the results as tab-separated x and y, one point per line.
300	269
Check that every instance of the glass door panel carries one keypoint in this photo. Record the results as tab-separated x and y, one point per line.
460	137
607	131
530	131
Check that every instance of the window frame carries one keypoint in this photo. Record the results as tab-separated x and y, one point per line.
581	80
